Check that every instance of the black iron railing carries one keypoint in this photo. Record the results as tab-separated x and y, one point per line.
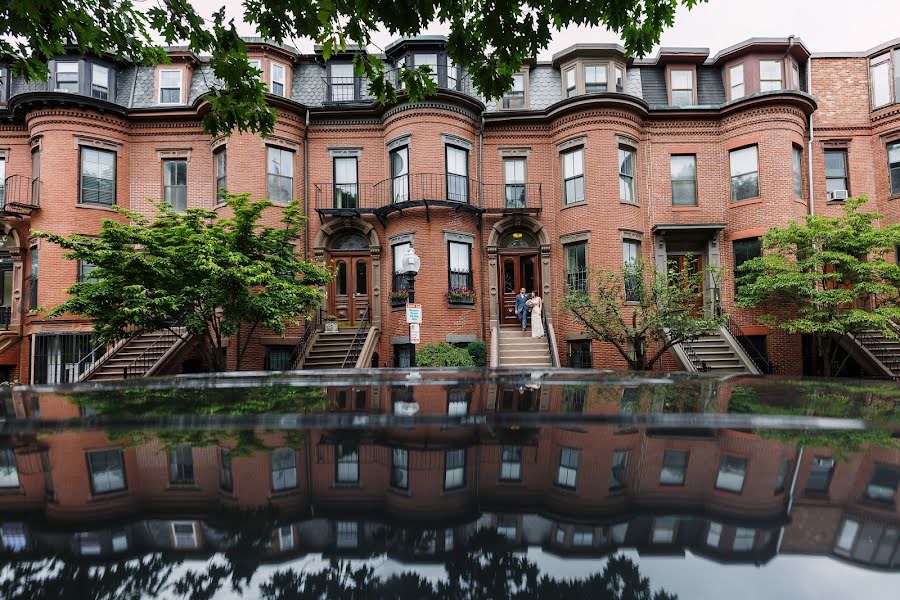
58	357
306	336
699	364
394	191
359	338
577	281
511	197
153	353
5	317
346	89
762	363
20	194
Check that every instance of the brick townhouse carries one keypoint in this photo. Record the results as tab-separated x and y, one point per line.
728	495
593	159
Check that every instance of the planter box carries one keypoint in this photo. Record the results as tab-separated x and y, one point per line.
331	326
462	300
397	302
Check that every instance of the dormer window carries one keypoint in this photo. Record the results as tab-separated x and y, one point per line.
515	98
341	83
595	78
736	81
100	82
880	75
170	86
770	75
431	61
67	76
620	79
682	88
278	79
570	82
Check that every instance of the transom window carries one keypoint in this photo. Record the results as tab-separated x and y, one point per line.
626	174
682	88
836	179
770	75
744	173
736	81
170	86
281	175
515	97
175	183
595	78
573	175
684	179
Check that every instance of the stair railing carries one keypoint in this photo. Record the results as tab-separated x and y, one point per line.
358	339
141	365
699	364
299	351
761	362
551	340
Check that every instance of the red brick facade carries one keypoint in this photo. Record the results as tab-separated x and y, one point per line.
836	101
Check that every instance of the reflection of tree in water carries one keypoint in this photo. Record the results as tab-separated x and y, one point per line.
489	569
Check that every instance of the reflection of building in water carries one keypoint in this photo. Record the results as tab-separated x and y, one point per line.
419	491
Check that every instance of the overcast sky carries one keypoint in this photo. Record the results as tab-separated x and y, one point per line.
823	25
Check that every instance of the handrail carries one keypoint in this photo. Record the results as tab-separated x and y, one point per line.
455	189
551	340
495	346
696	361
761	362
359	328
306	336
145	361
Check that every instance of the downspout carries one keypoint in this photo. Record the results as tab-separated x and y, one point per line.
306	186
812	135
480	222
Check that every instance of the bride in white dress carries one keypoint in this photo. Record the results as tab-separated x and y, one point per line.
537	310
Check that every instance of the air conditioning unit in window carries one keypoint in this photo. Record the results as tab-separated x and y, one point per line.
837	195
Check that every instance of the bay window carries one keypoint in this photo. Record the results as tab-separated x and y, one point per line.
595	77
736	81
460	276
744	173
880	80
573	176
280	175
770	75
457	174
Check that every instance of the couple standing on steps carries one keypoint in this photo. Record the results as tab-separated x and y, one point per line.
533	301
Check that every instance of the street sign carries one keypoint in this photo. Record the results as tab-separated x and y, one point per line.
414	337
414	314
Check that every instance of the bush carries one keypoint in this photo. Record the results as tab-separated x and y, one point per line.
443	355
478	352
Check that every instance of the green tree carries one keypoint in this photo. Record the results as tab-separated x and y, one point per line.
214	276
643	314
490	39
828	277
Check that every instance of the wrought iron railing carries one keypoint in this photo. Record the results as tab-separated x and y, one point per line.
511	197
368	197
356	344
306	336
153	353
20	194
5	317
699	364
346	89
762	363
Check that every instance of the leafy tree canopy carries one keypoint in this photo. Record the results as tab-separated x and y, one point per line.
642	312
828	277
490	39
211	275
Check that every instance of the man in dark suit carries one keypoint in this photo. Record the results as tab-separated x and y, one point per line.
522	308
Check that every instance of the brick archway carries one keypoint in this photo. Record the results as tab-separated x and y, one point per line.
536	229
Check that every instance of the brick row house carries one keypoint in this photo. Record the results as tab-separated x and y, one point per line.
592	159
728	495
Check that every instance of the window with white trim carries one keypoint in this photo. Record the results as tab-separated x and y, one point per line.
511	463
454	469
515	97
221	159
567	473
99	82
682	87
280	175
595	78
797	165
67	76
880	80
346	455
573	175
770	75
279	74
107	471
744	173
626	173
570	82
460	276
9	471
170	86
736	81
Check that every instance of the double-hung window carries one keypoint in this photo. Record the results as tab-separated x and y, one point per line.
880	80
820	473
682	88
400	469
399	251
100	82
684	179
399	159
770	75
515	97
570	82
618	470
284	469
626	174
620	79
674	468
221	158
67	76
226	474
744	173
573	175
460	265
836	179
631	254
736	81
744	250
732	471
9	471
34	272
181	465
341	83
514	176
278	74
567	473
883	483
576	268
175	183
457	174
98	177
346	185
346	456
170	86
595	78
893	152
511	463
107	471
430	61
454	469
797	165
281	175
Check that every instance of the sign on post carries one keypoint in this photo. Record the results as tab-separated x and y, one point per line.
414	337
414	314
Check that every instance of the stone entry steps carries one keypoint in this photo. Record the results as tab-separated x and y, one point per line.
886	350
136	356
719	356
519	349
330	349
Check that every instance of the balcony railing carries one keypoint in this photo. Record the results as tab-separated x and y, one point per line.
20	195
346	89
402	191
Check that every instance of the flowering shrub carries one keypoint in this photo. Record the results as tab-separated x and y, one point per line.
399	297
459	294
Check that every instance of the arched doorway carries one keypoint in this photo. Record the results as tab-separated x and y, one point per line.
350	294
518	256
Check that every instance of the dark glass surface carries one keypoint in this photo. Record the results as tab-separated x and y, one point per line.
501	484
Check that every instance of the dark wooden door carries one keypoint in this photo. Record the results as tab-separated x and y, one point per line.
689	268
517	270
349	297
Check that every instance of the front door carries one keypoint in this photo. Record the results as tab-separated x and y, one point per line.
517	270
349	295
692	266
